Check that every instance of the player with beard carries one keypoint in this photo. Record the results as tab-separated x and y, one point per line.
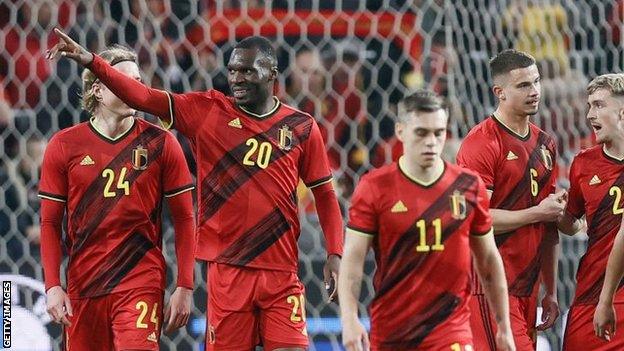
251	151
517	162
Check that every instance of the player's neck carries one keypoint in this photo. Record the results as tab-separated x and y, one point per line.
422	175
518	124
112	126
614	149
263	108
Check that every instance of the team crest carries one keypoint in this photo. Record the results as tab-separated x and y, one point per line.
458	205
139	158
547	158
285	136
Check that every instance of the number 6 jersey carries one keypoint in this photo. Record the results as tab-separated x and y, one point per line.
113	190
521	172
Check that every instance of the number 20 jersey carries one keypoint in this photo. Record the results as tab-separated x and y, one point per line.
521	172
113	190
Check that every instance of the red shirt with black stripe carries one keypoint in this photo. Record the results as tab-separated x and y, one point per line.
249	167
596	185
420	236
520	171
113	189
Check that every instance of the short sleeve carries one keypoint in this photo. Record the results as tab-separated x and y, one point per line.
477	154
188	111
53	182
314	167
176	175
576	203
482	220
363	217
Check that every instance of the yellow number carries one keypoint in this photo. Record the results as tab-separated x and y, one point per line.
437	230
140	323
154	317
457	347
264	153
296	302
121	182
108	173
141	305
254	145
534	185
617	192
437	226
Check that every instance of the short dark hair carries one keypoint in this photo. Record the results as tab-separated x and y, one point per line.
422	100
508	60
261	44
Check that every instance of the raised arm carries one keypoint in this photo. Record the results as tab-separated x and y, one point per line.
134	93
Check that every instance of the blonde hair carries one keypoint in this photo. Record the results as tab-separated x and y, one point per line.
613	82
113	55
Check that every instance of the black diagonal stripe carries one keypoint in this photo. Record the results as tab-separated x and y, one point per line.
256	240
604	221
592	295
93	208
119	262
525	281
500	239
229	174
404	247
418	327
520	188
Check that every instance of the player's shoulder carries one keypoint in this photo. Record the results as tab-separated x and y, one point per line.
589	154
381	175
457	170
539	131
70	133
293	111
484	130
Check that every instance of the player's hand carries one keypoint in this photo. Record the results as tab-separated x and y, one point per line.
550	312
604	321
504	340
59	306
553	206
69	48
354	336
330	276
178	310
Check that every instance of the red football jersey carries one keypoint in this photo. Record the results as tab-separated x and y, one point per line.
114	191
520	171
596	183
248	169
421	244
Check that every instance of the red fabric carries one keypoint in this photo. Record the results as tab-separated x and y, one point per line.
113	191
183	217
330	218
593	176
248	170
504	161
580	336
389	205
271	308
51	253
134	93
116	318
522	316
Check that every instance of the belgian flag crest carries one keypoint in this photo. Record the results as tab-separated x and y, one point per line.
458	205
139	158
547	158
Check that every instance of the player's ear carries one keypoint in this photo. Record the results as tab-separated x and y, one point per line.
273	73
498	92
97	91
398	130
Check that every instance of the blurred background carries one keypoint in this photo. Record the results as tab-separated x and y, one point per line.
346	62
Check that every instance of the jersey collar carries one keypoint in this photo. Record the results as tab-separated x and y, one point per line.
276	107
510	131
619	161
105	137
419	182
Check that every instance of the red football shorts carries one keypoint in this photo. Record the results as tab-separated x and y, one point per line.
579	332
248	307
522	315
127	320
